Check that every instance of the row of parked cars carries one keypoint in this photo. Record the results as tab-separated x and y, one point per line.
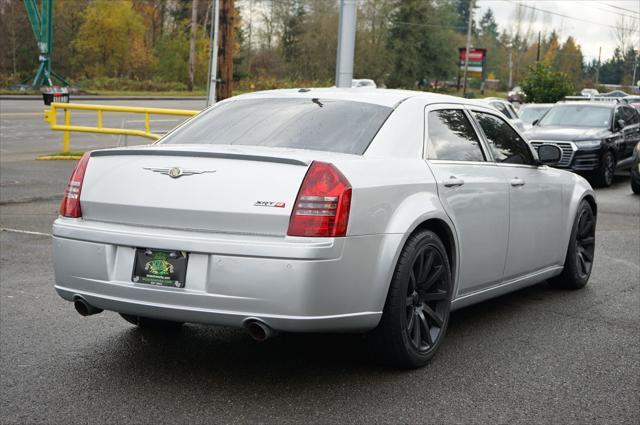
597	137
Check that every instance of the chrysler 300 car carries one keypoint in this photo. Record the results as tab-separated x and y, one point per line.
312	210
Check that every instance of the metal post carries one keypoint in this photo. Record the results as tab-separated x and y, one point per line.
635	67
65	136
213	55
598	68
510	68
466	56
346	43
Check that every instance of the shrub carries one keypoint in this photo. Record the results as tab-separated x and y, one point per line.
543	85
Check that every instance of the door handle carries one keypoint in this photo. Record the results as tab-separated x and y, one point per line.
453	181
517	182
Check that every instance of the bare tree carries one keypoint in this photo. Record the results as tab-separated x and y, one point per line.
626	33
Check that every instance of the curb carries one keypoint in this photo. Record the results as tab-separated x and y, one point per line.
57	157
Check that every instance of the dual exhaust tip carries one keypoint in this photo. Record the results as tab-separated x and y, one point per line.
257	329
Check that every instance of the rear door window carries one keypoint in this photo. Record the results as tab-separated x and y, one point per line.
451	137
300	123
507	146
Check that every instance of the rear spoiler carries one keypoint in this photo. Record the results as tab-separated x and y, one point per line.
161	152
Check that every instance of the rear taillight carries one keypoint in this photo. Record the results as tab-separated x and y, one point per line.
70	206
323	203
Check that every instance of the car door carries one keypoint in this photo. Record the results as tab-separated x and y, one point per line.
535	198
631	129
473	192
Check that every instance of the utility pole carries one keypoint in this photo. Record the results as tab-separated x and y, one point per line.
598	68
466	56
346	43
213	54
510	69
225	49
192	43
538	52
635	67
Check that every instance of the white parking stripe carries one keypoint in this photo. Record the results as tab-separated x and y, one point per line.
26	232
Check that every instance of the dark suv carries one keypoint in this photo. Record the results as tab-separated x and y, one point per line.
595	138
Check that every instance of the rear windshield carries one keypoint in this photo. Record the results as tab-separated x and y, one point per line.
317	124
577	116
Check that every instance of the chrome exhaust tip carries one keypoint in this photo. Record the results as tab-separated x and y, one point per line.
258	330
84	308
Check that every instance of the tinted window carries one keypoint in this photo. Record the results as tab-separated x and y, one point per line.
528	114
500	107
630	115
452	137
317	124
506	145
577	116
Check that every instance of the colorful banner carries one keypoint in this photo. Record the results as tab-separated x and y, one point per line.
476	67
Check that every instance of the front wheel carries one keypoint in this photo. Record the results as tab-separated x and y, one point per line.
416	312
580	253
603	176
635	184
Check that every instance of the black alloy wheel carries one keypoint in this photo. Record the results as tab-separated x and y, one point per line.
578	264
585	242
427	301
606	172
416	312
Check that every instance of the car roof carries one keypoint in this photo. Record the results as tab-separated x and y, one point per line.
383	97
609	105
538	105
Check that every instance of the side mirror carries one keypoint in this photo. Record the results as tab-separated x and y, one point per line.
620	124
549	154
535	122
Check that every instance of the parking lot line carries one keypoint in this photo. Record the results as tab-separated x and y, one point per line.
26	232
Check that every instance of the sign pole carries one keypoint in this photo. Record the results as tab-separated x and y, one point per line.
213	55
466	56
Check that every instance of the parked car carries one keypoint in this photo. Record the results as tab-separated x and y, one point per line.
516	94
615	93
507	110
272	211
530	112
596	138
363	82
632	100
589	92
635	170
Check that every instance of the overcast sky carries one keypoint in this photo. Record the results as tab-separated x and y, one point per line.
589	21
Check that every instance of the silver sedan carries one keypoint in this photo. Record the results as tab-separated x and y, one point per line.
314	210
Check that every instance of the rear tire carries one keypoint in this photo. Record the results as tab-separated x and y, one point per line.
635	184
603	176
416	312
580	253
148	323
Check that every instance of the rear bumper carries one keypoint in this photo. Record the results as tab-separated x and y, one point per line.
292	284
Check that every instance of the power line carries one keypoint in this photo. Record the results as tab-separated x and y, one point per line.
562	15
590	4
621	8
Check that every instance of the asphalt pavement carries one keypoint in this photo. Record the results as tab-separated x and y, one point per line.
537	355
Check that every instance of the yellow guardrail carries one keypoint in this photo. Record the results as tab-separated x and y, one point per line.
51	116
